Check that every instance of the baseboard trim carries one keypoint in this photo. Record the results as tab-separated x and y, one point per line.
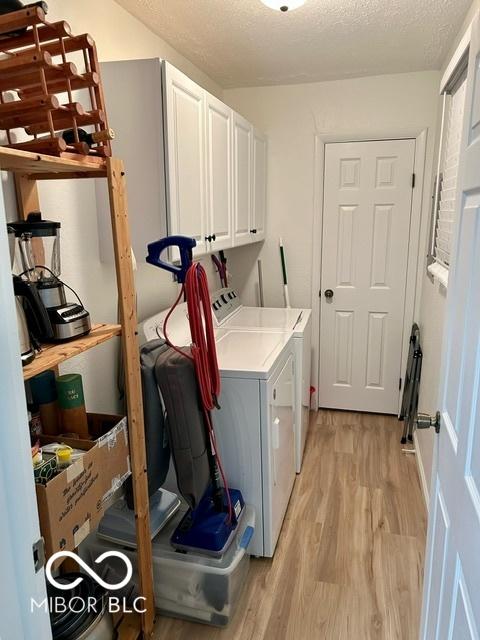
421	471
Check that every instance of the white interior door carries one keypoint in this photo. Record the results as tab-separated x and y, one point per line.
366	225
451	606
242	179
186	182
19	527
219	172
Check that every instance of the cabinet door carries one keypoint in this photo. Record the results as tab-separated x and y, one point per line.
186	171
219	173
259	188
242	179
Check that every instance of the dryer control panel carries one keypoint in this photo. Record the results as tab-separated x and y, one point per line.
224	302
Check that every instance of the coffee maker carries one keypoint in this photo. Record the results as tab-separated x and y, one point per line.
37	254
27	351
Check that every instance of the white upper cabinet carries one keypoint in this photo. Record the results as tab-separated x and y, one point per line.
194	166
242	180
219	173
259	188
186	175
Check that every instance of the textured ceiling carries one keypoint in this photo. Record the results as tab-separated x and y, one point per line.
243	43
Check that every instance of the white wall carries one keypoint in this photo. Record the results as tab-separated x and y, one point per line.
432	314
291	116
118	36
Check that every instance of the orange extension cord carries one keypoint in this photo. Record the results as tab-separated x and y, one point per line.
203	351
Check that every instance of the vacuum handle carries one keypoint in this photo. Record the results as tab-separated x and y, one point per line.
185	246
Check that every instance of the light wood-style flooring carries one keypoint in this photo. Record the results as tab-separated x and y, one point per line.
349	562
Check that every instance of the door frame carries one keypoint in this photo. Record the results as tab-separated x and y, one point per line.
417	236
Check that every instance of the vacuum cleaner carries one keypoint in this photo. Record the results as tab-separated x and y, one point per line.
189	381
181	386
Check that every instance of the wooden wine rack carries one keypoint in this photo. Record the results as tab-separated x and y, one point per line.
34	65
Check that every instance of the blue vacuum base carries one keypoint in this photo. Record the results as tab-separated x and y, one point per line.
207	530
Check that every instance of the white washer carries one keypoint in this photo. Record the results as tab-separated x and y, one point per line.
230	313
255	425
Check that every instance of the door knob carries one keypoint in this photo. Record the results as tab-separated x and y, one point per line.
328	293
208	238
425	421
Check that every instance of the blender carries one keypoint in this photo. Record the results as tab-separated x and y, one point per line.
37	257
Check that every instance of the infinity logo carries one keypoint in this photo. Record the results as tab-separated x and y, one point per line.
87	569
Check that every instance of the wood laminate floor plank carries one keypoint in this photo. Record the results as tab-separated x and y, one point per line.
349	561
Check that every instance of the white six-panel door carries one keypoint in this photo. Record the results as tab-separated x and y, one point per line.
186	157
451	607
219	119
366	225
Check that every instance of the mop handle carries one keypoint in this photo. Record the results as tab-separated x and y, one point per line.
284	273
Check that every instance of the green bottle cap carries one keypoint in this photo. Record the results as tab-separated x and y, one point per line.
70	391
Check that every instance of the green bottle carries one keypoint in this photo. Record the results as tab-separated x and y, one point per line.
71	402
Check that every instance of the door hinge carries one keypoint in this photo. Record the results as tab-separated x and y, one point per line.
399	384
414	177
38	549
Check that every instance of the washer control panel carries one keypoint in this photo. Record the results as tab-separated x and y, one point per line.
224	303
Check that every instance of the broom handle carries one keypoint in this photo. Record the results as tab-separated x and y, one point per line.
284	274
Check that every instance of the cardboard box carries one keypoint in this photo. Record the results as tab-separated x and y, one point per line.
72	503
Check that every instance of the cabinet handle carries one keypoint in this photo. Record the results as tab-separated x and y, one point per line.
214	237
208	238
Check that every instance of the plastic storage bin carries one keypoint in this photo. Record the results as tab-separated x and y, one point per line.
189	585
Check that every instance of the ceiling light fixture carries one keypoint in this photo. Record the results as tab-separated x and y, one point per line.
283	5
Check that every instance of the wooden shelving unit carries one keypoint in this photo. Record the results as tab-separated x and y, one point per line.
41	167
28	168
54	354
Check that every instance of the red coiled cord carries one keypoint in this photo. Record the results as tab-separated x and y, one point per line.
204	352
203	338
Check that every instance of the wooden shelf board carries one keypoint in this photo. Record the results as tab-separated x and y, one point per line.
36	164
54	354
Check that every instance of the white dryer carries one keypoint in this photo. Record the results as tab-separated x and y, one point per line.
230	313
255	425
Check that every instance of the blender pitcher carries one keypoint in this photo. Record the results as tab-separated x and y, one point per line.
27	352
